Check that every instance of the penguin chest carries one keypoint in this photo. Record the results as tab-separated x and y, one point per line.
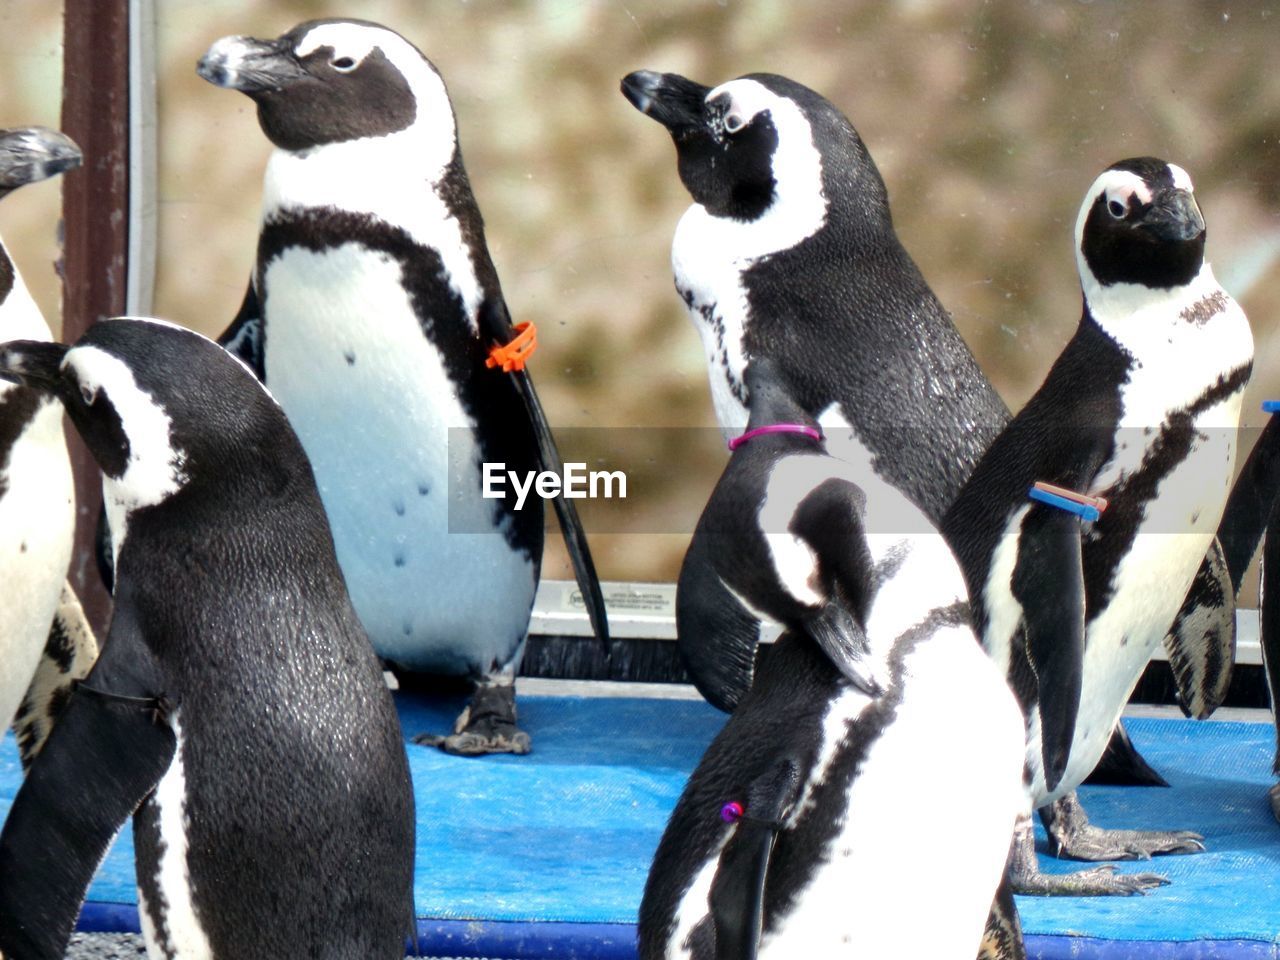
955	732
715	295
397	461
37	520
1173	480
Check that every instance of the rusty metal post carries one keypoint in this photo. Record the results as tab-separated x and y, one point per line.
95	113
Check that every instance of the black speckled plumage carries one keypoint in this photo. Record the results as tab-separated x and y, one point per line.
233	640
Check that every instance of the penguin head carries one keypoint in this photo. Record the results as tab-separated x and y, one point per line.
28	154
159	407
759	143
334	81
1140	225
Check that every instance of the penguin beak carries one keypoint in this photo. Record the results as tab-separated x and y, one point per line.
34	153
674	101
1174	217
32	363
248	65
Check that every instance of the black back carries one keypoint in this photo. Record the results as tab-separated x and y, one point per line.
849	319
298	797
294	756
905	378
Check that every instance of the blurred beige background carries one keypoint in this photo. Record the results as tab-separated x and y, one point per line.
988	121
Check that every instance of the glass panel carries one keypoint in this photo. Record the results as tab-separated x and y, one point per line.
987	125
31	94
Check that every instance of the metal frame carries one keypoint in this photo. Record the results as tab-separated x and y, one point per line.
95	113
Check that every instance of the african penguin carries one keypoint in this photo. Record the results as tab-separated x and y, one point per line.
875	702
237	712
789	252
1252	516
43	633
1140	409
370	313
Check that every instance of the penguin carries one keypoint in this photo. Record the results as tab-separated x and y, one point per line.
237	711
1140	409
799	831
370	315
1252	516
1269	619
789	252
45	642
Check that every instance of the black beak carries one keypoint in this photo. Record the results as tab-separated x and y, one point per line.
248	65
32	363
34	153
1174	216
674	101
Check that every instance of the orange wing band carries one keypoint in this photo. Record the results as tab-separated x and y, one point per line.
511	356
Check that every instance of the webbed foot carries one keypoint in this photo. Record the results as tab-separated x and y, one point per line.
1026	877
487	725
1073	837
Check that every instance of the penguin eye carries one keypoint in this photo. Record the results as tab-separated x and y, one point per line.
1116	209
733	123
343	64
88	394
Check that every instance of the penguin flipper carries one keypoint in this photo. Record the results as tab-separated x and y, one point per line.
1048	581
495	324
243	339
736	897
716	635
1252	503
1269	623
1201	644
105	755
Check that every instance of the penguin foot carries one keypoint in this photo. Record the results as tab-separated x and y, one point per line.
1096	882
487	725
1025	876
1073	837
1273	796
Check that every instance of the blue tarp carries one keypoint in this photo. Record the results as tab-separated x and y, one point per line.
562	838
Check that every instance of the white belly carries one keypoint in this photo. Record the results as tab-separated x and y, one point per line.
396	462
1150	584
37	523
708	272
957	735
957	738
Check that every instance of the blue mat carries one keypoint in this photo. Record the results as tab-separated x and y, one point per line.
546	855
